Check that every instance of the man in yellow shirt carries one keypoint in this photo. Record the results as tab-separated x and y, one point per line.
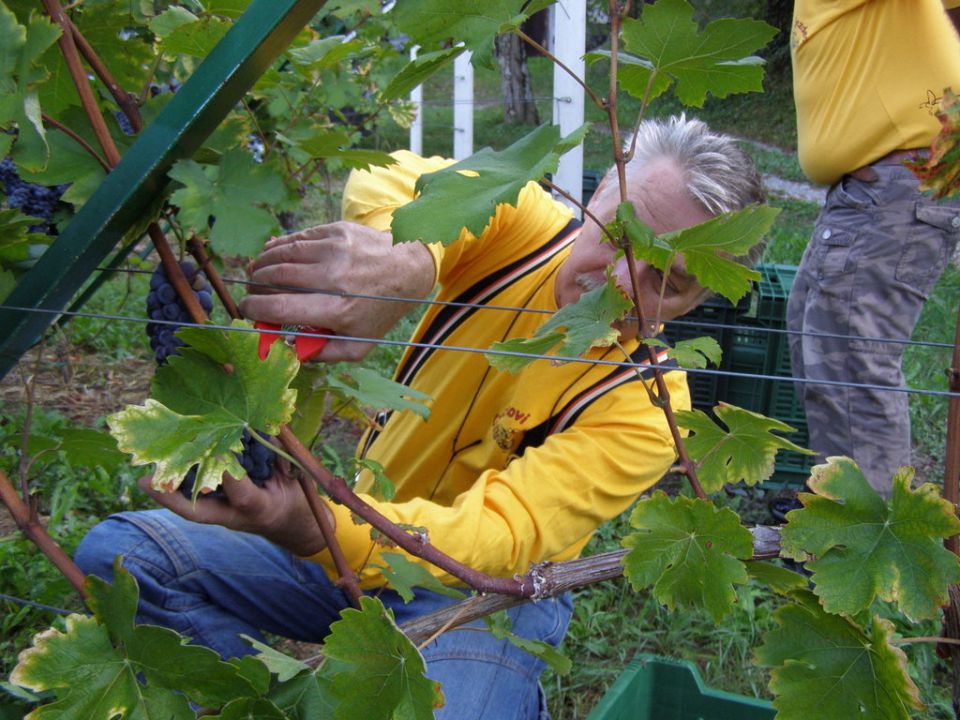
868	78
510	469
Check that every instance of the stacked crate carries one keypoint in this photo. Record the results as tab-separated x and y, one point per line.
752	346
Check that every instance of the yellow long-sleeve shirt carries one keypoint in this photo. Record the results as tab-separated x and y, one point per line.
868	78
509	469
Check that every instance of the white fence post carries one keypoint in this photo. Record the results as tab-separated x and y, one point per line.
462	106
416	127
569	33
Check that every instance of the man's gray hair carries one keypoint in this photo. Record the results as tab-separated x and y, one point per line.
717	173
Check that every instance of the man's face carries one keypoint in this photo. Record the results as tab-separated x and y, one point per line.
660	201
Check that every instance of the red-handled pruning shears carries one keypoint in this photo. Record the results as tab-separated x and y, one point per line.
306	346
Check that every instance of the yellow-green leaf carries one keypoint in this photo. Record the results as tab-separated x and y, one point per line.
746	450
865	547
827	666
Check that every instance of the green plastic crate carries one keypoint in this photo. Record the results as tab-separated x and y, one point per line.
658	688
712	314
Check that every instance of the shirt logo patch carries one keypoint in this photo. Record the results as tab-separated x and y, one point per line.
508	428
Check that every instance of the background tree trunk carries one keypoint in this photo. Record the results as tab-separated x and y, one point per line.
518	103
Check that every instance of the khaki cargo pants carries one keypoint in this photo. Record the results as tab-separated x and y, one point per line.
877	249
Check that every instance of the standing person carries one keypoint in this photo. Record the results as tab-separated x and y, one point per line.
868	78
509	470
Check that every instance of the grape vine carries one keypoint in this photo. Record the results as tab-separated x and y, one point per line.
308	114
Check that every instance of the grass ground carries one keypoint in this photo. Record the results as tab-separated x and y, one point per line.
100	362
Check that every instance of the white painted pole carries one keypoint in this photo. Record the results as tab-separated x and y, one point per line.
569	33
462	106
416	99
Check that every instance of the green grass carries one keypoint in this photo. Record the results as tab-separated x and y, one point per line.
791	230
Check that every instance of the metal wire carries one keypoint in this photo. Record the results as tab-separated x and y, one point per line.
508	308
38	606
486	351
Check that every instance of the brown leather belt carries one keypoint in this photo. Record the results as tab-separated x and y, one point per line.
897	157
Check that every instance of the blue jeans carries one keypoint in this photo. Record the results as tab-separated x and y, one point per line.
213	584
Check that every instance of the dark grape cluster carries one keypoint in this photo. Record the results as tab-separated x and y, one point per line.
37	201
163	303
257	459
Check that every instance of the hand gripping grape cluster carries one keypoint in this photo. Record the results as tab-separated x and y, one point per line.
163	303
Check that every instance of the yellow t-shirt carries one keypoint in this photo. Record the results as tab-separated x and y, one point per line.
509	469
868	78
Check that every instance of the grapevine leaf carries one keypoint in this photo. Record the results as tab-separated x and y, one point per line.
527	349
866	547
105	666
633	73
777	578
418	70
323	53
385	488
276	662
466	194
362	158
196	39
745	451
198	410
81	446
254	671
304	697
403	575
687	549
171	19
827	666
70	163
19	247
106	27
234	193
716	60
320	142
643	241
939	172
706	248
20	71
588	321
312	402
731	234
432	23
228	8
693	353
501	627
372	389
380	669
586	324
250	709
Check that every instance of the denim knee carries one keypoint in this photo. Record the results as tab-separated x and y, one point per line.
104	542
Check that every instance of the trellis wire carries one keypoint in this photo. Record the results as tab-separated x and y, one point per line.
485	306
36	605
506	353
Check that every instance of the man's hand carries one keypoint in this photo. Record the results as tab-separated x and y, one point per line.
278	511
338	258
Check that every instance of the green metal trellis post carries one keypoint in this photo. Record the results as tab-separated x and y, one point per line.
128	194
